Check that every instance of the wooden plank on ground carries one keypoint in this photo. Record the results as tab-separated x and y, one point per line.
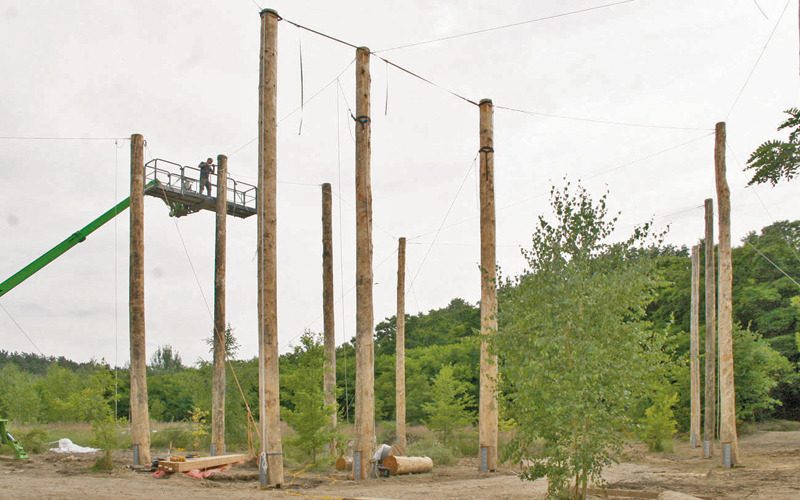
609	493
200	463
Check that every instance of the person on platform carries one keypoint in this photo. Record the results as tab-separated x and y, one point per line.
206	168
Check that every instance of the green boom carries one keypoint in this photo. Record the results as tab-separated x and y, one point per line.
62	247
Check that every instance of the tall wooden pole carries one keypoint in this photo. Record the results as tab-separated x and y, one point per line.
365	374
400	350
488	378
218	382
140	417
695	349
727	406
710	417
271	459
329	378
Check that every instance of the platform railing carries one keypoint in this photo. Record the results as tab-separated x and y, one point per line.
187	180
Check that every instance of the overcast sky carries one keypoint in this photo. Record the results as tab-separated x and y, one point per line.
623	98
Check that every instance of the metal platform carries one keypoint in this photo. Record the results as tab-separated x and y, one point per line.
178	185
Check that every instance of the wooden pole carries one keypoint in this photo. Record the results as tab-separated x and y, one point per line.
695	349
400	350
727	407
365	375
218	382
140	417
710	417
271	460
329	378
488	378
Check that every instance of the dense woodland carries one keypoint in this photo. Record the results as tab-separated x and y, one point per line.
766	311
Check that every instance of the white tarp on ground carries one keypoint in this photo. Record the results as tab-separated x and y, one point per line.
67	446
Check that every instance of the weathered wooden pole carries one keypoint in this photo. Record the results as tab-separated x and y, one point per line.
488	378
218	377
695	349
271	458
727	406
400	350
365	371
329	377
140	416
710	417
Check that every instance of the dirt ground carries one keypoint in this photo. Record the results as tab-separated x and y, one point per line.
770	469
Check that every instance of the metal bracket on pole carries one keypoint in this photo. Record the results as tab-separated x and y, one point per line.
213	450
694	440
136	455
484	459
262	470
727	458
706	449
356	465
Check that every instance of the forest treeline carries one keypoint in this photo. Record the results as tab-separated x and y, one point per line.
766	308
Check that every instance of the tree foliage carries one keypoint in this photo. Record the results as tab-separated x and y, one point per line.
448	409
166	360
775	160
570	326
304	407
231	343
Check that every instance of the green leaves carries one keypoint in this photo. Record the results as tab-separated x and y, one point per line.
775	159
576	353
307	414
447	410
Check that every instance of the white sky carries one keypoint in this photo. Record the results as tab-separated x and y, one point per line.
185	75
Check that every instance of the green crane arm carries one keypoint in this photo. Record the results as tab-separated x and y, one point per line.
58	250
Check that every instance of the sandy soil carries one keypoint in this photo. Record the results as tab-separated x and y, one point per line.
770	469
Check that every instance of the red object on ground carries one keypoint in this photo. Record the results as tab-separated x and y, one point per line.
202	474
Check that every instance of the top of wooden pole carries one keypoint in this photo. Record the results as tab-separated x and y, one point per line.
269	11
365	49
484	101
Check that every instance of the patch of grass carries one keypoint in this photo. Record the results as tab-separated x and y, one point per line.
178	434
466	443
385	432
440	453
768	426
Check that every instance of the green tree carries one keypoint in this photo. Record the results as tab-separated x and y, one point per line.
304	407
447	410
166	360
18	398
775	160
436	327
758	369
659	423
54	388
576	353
231	343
